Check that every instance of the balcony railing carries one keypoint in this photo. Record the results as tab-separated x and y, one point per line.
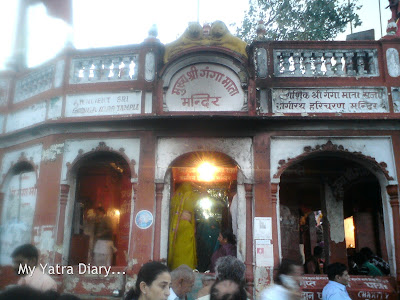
104	69
325	63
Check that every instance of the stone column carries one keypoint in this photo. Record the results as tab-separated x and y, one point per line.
1	204
249	238
274	201
157	223
64	190
392	190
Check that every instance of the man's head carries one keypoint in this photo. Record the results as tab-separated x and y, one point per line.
338	272
367	252
227	290
100	212
229	267
26	254
182	280
289	269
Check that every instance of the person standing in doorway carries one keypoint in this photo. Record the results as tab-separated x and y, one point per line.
103	233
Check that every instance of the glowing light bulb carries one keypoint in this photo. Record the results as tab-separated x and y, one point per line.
206	171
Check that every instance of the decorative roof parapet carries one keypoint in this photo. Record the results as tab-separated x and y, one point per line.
193	37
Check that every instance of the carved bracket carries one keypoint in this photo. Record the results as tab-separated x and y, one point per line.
333	148
102	147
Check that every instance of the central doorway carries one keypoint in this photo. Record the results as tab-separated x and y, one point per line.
203	204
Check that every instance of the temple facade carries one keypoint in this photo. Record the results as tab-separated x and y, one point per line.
299	141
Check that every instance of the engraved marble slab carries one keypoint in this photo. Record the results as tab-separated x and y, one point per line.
330	100
103	104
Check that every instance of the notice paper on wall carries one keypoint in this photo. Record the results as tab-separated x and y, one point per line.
263	228
264	253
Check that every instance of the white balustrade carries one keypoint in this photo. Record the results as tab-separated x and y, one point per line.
34	83
325	63
104	69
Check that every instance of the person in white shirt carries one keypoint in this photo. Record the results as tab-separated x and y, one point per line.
182	281
338	280
286	283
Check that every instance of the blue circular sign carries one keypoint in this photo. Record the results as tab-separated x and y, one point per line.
144	219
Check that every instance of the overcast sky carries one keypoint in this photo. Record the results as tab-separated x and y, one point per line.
102	23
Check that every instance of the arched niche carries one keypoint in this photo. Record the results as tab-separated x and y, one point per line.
99	178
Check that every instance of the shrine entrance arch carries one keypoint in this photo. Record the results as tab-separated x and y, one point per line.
336	199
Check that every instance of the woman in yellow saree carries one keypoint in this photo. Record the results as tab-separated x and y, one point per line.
182	240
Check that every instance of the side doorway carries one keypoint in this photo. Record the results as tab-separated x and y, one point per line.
332	203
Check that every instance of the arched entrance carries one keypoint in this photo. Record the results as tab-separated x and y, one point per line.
18	209
203	203
331	201
102	186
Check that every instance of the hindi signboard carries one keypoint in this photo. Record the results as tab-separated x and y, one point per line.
103	104
360	287
330	100
205	87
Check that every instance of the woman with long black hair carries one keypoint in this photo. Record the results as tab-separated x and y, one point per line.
153	282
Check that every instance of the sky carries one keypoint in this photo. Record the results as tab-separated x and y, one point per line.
103	23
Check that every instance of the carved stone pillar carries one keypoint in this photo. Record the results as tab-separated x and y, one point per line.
64	190
274	201
157	224
394	203
249	238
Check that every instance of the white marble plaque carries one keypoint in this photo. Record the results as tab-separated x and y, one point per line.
393	63
103	104
150	66
330	100
396	99
205	87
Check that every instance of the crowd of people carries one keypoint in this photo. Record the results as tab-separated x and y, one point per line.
156	282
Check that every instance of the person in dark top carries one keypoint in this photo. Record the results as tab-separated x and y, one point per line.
227	290
365	267
315	264
227	241
378	262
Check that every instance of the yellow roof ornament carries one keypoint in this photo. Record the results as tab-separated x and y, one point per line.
196	35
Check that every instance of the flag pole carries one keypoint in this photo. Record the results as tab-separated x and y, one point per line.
380	17
198	11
